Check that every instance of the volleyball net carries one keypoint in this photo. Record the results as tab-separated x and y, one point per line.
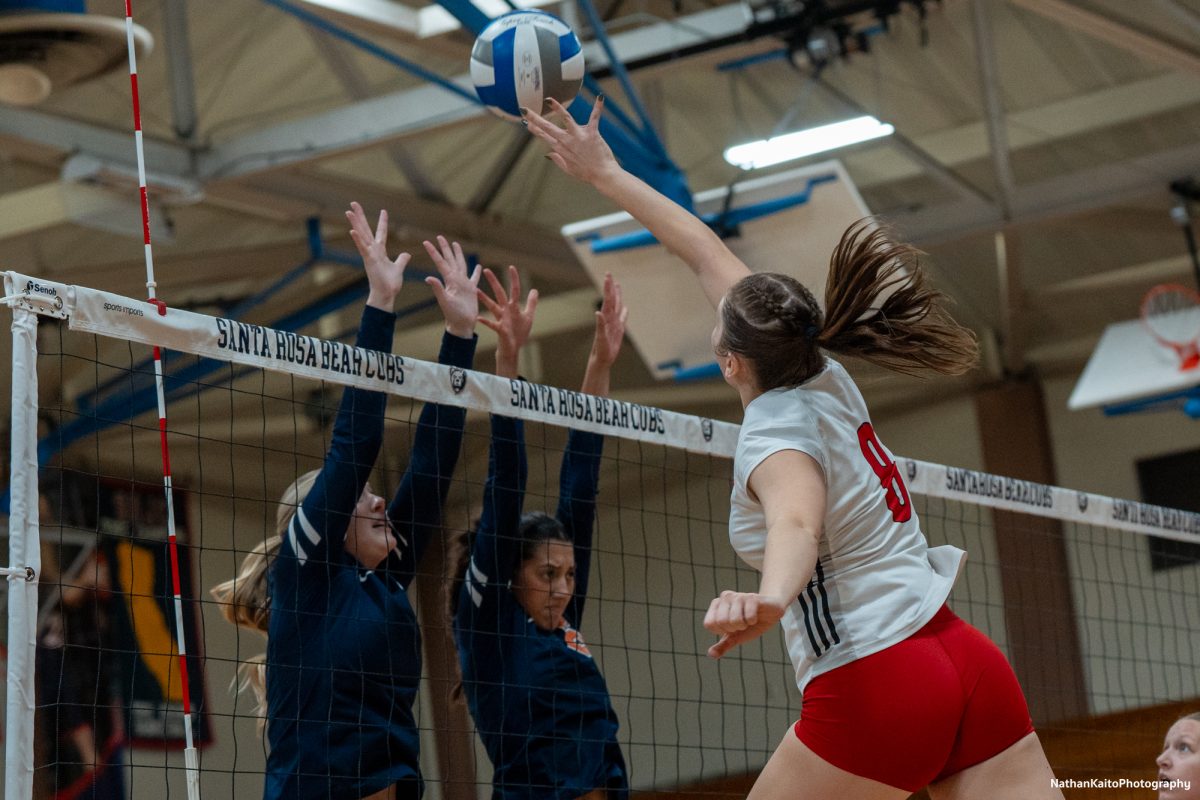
1061	580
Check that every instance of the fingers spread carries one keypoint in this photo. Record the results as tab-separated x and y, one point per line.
561	110
438	261
497	287
597	111
381	229
488	303
514	284
438	290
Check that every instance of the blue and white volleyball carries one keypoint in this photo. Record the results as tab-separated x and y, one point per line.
524	58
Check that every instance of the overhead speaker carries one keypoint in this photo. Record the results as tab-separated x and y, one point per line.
48	45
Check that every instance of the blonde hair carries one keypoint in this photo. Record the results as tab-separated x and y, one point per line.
245	600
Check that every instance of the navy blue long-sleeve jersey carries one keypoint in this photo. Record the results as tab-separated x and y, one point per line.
343	646
539	701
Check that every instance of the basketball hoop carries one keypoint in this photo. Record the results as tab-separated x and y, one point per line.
1171	314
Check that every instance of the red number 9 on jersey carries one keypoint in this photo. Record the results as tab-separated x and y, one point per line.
885	469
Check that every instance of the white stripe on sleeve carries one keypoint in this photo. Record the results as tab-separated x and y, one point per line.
307	527
300	554
480	578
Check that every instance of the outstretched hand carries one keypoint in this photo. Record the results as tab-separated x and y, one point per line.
457	292
610	323
578	150
385	276
511	321
739	617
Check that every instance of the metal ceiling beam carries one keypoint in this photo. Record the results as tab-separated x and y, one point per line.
1176	269
1062	196
500	172
936	169
1118	34
1182	15
356	85
497	241
993	104
340	130
179	69
407	112
422	23
67	135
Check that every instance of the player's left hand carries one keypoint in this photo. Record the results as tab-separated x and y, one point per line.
739	617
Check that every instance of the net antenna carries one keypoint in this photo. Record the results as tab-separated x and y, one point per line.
1171	314
190	757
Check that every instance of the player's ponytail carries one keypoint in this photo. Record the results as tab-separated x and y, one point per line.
244	599
878	307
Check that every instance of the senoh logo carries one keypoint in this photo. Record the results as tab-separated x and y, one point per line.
49	292
706	429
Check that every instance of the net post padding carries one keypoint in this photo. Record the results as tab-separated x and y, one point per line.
24	558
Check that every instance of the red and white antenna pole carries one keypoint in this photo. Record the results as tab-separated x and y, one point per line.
190	757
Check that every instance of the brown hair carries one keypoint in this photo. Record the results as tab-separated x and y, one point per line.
534	528
244	599
878	307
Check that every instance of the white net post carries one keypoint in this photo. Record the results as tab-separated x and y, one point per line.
24	560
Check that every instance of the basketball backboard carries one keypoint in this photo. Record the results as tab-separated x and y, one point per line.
1129	371
788	222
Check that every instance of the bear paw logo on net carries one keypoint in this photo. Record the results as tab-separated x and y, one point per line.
458	379
706	429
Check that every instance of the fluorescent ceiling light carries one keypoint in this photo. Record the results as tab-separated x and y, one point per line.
777	149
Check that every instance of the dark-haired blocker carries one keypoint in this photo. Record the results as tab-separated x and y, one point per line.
539	701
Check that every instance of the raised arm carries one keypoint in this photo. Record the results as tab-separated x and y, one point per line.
497	541
317	532
581	152
579	476
416	510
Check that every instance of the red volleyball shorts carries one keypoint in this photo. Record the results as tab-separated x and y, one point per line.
940	701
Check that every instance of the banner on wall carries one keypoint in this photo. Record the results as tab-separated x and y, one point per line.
133	525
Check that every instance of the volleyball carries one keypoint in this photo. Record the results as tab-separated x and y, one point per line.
524	58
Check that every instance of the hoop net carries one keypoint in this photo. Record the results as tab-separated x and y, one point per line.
1171	314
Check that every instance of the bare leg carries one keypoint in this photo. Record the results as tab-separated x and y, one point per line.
797	773
1019	773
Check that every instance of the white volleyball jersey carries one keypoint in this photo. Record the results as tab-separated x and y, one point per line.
876	581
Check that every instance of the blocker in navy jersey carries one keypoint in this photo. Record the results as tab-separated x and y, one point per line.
539	701
524	57
344	649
